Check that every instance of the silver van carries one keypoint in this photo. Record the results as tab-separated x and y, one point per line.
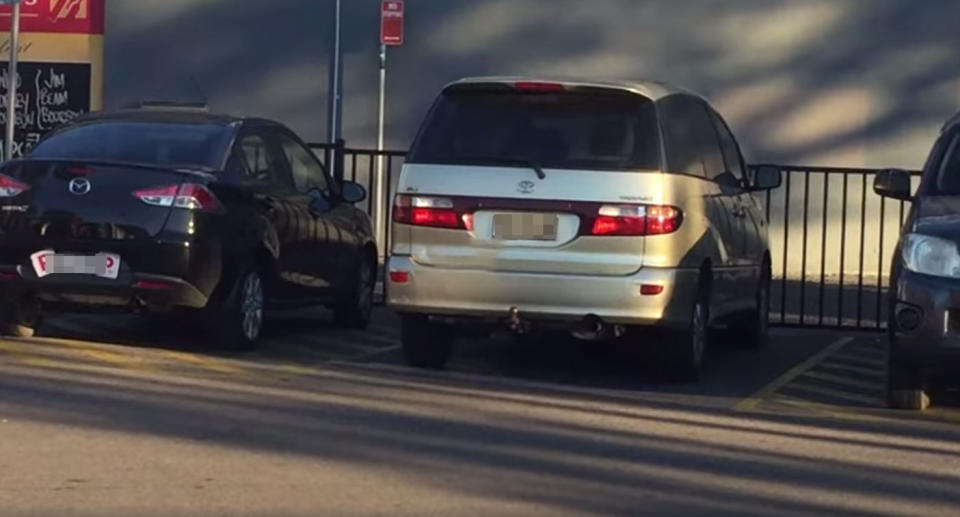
603	208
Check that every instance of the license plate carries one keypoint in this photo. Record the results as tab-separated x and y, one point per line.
49	262
525	227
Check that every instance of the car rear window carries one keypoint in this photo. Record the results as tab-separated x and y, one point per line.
561	130
167	144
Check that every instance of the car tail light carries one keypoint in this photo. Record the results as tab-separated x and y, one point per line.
190	196
10	187
538	87
637	220
436	212
4	277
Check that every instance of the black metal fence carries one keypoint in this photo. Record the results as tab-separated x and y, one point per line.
831	237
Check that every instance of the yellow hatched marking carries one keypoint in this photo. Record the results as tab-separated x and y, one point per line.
829	392
754	400
858	359
850	368
853	383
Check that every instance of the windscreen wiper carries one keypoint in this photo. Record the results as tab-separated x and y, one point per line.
506	160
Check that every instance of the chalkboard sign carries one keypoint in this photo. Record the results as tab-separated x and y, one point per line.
48	96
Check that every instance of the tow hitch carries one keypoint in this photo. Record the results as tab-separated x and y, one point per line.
516	324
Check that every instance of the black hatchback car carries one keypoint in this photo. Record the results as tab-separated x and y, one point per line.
924	324
178	210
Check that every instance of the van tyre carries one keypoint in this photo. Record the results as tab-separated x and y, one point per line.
425	345
753	330
241	316
354	313
687	350
906	389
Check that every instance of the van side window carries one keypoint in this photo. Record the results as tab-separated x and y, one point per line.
732	158
690	137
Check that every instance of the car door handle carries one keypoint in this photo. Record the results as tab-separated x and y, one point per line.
267	201
740	212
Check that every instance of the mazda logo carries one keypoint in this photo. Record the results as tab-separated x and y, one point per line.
526	187
79	186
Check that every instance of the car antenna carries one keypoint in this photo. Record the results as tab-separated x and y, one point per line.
203	96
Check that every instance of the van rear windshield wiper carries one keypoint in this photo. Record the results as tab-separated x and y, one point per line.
506	160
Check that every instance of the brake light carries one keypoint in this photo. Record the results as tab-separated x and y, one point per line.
10	187
149	285
637	220
435	212
537	87
191	196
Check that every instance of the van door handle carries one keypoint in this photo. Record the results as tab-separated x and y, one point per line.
740	212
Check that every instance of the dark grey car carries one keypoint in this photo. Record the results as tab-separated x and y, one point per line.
925	280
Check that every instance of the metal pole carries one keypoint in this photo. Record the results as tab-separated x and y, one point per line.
333	125
12	82
381	188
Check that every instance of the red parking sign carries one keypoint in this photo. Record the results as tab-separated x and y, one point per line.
391	22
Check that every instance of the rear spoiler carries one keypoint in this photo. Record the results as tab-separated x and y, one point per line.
79	164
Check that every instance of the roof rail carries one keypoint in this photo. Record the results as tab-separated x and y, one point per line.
170	106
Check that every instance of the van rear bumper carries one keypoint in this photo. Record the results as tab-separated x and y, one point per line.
476	293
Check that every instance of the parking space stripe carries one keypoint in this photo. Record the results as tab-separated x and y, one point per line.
204	363
754	400
104	356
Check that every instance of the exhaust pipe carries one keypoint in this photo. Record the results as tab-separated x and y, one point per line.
592	328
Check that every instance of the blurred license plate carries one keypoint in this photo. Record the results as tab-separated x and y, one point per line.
525	227
48	262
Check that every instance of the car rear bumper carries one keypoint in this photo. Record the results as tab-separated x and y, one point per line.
475	293
137	291
934	339
152	274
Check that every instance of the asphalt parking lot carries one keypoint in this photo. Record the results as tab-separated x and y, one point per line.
126	416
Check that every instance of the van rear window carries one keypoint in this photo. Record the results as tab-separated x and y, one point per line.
567	130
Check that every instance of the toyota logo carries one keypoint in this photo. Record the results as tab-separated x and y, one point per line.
526	187
79	186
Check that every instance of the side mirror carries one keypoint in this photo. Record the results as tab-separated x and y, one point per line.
766	177
893	183
352	192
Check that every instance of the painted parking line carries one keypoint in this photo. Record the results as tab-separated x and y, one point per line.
767	391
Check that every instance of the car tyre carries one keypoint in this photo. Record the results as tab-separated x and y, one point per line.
906	389
241	317
355	312
19	319
687	350
425	345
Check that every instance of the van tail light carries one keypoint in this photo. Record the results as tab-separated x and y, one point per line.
435	212
191	196
10	187
637	220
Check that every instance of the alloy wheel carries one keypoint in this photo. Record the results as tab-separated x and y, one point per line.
251	308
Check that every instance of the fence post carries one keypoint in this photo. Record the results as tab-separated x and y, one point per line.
338	154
